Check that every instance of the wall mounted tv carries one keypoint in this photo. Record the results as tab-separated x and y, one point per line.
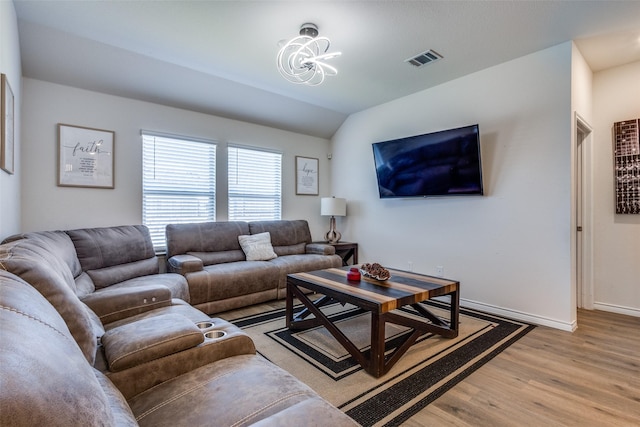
444	163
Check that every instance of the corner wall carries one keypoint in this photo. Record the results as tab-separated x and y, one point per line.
511	249
11	66
616	237
581	181
46	206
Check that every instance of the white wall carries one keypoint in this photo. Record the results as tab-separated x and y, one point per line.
46	206
509	249
581	85
10	65
582	107
616	237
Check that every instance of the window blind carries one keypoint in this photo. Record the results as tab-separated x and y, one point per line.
255	184
179	183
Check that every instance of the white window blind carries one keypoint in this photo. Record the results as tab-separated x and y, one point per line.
255	184
179	183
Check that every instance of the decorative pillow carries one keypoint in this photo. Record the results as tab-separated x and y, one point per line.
257	247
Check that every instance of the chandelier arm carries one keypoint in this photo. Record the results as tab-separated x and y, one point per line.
301	60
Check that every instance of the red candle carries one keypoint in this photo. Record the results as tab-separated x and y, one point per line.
353	274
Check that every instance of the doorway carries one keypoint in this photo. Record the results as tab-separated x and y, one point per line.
583	212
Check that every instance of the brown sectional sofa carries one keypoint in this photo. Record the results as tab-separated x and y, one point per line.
219	276
146	358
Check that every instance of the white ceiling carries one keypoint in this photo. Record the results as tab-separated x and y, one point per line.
218	57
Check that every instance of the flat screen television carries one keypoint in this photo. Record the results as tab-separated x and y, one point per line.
444	163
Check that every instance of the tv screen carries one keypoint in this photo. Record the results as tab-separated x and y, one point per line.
444	163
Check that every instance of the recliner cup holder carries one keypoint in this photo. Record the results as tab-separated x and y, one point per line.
214	335
205	325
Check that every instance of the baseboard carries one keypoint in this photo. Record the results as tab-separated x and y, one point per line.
629	311
519	315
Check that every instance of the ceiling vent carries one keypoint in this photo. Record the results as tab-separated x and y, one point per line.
424	58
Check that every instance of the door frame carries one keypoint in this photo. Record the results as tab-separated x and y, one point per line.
582	192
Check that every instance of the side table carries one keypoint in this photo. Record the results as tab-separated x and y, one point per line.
345	250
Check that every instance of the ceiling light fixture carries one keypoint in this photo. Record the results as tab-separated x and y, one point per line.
301	60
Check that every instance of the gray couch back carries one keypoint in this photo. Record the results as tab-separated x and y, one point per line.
203	237
99	257
114	254
287	237
217	242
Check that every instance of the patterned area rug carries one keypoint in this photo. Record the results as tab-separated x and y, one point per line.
432	365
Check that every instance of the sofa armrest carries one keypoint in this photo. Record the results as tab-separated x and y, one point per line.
113	304
141	377
320	249
149	339
183	264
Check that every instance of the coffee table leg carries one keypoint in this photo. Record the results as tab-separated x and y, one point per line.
376	362
289	304
455	313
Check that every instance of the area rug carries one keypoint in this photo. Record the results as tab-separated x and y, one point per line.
432	365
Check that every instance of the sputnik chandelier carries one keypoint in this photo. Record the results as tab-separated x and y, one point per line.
302	59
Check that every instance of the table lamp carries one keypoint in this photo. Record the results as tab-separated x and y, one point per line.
332	206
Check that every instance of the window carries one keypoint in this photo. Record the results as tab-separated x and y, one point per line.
178	184
255	184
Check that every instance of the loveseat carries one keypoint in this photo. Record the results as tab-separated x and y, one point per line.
45	379
234	264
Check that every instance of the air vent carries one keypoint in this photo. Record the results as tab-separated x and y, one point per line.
424	58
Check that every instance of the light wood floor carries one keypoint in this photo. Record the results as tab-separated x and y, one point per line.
590	377
552	378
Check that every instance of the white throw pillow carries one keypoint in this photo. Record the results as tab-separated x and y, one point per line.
257	247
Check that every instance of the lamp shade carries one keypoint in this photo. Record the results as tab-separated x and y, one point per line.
333	206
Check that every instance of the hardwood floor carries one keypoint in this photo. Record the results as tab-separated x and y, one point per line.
552	378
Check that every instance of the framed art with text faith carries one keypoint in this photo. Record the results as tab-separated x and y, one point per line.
85	157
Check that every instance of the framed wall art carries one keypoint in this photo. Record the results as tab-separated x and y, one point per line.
626	158
7	124
85	157
306	176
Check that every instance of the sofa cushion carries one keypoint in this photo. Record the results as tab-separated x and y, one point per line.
296	249
284	232
204	237
107	276
233	279
59	243
120	410
32	260
257	247
176	284
309	262
317	409
84	285
149	339
127	249
45	378
247	389
209	258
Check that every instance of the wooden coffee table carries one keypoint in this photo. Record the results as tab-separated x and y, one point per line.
380	298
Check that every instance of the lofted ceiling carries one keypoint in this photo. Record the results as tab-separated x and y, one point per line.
218	57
